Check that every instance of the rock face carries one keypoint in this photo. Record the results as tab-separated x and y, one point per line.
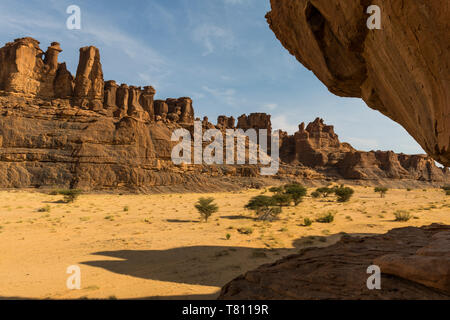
24	71
417	257
89	84
95	135
317	146
402	70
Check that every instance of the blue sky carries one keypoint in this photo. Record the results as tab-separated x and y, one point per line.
219	52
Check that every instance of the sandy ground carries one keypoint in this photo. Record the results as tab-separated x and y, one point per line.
139	246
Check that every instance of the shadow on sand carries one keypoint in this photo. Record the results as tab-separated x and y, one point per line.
199	265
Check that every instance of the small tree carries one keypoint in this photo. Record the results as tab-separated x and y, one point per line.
276	189
70	195
296	192
282	199
264	207
344	193
206	208
382	191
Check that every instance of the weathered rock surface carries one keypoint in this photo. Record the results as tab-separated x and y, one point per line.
340	271
317	146
402	70
95	135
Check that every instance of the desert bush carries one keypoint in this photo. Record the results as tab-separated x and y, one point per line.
246	231
315	194
47	208
206	207
70	195
325	192
326	218
228	236
282	199
402	215
259	203
265	207
296	191
446	189
382	191
276	189
307	222
344	193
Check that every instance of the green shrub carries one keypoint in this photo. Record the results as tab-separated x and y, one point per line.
325	192
47	208
228	236
282	199
307	222
382	191
402	215
206	208
126	209
296	192
326	218
70	195
264	207
315	194
246	231
276	189
344	193
446	189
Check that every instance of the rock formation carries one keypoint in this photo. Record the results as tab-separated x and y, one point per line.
89	84
401	70
87	133
255	121
417	256
317	146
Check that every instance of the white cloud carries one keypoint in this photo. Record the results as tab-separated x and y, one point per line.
281	122
226	95
211	37
270	106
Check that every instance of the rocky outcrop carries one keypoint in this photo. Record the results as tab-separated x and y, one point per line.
401	70
255	121
413	265
225	122
317	146
25	71
86	133
89	84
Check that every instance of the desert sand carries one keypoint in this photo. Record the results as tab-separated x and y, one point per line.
155	247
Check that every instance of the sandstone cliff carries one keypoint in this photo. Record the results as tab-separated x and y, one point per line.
402	70
84	132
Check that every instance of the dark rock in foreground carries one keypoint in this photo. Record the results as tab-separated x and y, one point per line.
415	263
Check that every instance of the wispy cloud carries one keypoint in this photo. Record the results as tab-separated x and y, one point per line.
212	37
282	122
